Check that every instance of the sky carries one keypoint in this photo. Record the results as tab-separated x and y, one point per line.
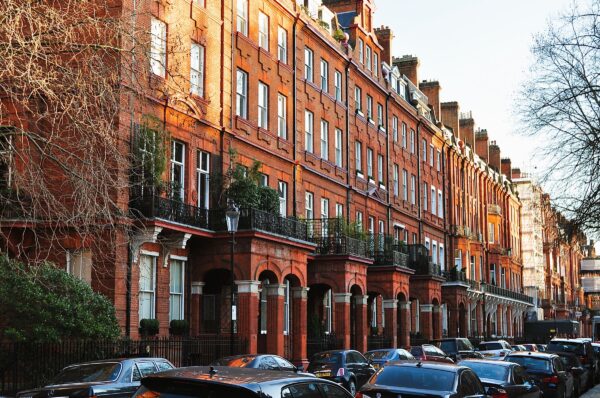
479	51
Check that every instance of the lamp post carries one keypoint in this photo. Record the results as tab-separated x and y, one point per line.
232	217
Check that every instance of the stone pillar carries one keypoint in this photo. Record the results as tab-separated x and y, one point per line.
509	323
342	317
480	319
299	326
437	315
361	327
196	308
247	309
275	296
390	307
426	327
404	332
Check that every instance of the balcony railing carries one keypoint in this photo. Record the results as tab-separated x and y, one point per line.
341	245
390	258
499	291
419	260
455	276
154	206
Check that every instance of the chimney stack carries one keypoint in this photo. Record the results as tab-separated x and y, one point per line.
505	167
515	173
432	90
384	37
467	129
481	145
494	161
450	116
409	66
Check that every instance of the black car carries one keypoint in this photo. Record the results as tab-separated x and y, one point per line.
509	379
547	371
424	379
117	378
458	348
349	368
257	361
228	382
583	350
379	358
581	375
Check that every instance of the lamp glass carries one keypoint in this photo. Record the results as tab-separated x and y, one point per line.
232	217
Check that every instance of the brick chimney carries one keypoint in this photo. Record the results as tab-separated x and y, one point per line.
481	145
494	160
408	66
505	167
467	129
515	173
450	116
432	90
384	37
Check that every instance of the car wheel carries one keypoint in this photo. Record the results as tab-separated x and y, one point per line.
352	387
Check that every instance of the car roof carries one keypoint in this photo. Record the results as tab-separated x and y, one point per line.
428	365
532	354
120	360
489	362
568	341
228	375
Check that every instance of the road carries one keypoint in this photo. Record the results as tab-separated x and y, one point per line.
592	393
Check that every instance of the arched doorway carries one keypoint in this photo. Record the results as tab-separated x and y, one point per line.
216	308
320	319
265	278
356	294
403	317
289	322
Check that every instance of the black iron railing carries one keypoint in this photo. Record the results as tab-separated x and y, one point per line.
390	257
499	291
323	343
419	260
154	206
378	342
341	245
455	276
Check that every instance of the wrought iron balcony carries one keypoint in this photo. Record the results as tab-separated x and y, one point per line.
419	260
154	206
499	291
341	245
455	276
392	257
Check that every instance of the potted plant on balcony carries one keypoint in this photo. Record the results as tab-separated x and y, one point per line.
149	327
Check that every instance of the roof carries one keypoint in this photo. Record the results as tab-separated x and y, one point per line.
346	19
227	375
489	362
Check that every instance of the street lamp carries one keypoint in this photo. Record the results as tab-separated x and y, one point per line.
232	217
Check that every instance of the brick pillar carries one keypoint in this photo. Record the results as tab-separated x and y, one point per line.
342	317
299	327
362	327
452	321
247	308
379	315
390	307
275	296
437	315
426	326
404	332
196	310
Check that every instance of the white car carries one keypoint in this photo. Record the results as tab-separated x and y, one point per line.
497	349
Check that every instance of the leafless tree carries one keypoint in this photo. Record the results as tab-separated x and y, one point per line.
72	74
560	105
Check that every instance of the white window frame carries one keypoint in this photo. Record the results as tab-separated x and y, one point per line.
442	257
413	189
380	116
324	139
368	64
158	47
396	178
425	196
338	85
309	57
308	131
281	116
203	179
242	17
412	141
439	160
178	163
404	129
151	292
179	295
359	220
370	163
79	264
360	46
380	169
263	105
395	128
433	200
282	45
369	108
358	99
434	252
358	156
375	64
404	185
286	306
282	191
197	54
324	75
263	31
339	156
440	211
241	94
339	210
328	311
309	200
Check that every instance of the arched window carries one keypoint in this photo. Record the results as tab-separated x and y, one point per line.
286	307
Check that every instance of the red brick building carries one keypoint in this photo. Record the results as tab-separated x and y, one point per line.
397	219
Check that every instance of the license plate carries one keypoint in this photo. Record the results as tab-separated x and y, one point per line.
376	365
325	373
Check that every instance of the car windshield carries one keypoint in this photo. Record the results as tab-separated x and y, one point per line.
464	345
488	371
415	377
234	362
381	354
93	372
569	361
531	363
326	357
447	346
489	346
566	346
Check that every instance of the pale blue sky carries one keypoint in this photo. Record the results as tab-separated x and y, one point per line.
479	52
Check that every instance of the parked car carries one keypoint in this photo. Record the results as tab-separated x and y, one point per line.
117	378
504	376
209	382
458	348
349	368
257	361
541	347
583	350
518	347
547	371
379	358
495	349
531	347
423	379
581	375
428	352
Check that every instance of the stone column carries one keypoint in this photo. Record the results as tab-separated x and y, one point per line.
426	327
390	307
299	325
362	327
480	319
275	296
196	310
437	315
246	313
404	332
342	317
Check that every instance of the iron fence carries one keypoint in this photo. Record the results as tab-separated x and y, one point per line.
323	343
27	365
378	342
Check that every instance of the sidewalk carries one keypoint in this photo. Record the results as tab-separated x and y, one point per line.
592	393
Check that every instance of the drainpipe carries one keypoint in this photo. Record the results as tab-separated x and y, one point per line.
294	121
387	162
346	101
128	294
446	212
418	189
